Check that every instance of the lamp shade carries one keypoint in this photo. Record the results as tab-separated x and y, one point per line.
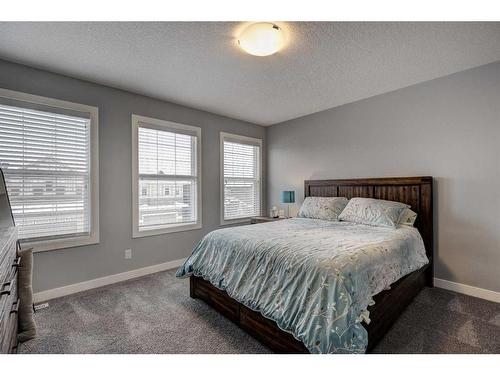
287	197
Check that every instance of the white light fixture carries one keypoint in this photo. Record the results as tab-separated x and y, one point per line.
262	39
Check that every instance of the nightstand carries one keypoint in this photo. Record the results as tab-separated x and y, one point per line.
264	219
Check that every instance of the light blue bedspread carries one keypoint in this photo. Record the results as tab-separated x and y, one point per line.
314	278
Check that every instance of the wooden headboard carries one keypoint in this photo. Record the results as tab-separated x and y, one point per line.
413	191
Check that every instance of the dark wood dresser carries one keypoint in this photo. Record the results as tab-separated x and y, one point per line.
9	302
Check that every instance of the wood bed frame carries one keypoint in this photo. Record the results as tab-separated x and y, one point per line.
389	304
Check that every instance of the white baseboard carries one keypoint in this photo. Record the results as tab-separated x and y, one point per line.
116	278
106	280
490	295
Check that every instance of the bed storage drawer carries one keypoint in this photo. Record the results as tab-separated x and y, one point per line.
252	321
216	298
267	331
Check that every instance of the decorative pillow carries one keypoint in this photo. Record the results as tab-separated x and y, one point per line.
407	217
373	212
325	208
27	327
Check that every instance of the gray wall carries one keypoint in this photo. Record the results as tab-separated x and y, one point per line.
448	128
61	267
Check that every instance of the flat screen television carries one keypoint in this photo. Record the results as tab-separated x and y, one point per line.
6	218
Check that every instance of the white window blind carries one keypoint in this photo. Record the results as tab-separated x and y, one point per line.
241	179
46	161
167	178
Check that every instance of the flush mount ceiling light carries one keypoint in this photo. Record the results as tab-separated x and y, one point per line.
262	39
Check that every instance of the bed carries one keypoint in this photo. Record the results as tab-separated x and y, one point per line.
276	281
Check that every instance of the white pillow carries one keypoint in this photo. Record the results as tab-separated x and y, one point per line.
407	217
325	208
370	211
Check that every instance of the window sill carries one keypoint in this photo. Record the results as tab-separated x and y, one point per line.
155	232
62	243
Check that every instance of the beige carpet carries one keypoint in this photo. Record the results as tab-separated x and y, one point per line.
154	314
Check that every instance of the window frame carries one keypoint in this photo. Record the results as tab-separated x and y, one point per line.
163	125
93	112
245	140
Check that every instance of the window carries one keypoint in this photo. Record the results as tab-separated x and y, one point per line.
166	170
48	152
240	177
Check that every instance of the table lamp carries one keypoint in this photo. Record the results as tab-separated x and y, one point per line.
288	197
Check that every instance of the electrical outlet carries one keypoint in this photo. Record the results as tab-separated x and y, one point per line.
128	254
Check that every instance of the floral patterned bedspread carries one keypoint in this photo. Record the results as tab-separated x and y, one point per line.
314	278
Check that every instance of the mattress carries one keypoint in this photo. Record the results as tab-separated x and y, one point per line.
314	278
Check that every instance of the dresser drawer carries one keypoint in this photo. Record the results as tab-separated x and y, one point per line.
14	328
8	291
6	264
9	305
9	335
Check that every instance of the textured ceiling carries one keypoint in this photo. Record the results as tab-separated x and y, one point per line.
324	65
